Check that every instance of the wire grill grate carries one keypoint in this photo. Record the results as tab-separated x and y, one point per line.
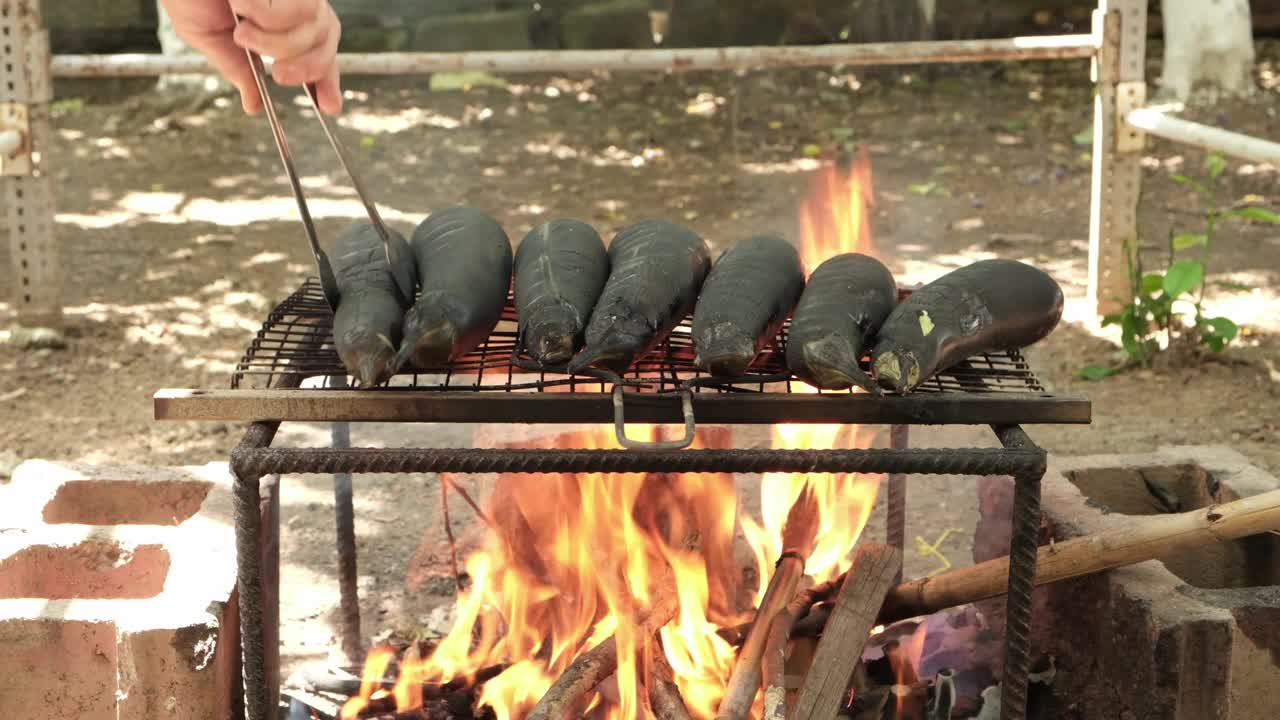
287	345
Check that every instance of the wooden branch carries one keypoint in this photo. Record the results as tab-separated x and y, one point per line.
856	606
774	665
664	694
1139	540
798	537
565	698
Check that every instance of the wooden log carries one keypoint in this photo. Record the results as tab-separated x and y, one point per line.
774	665
664	694
1139	540
854	614
566	697
798	536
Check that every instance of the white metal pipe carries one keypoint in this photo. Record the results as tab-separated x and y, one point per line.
1159	122
10	141
1049	47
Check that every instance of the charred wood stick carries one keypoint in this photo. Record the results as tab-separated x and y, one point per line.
564	698
774	665
853	615
819	593
664	695
798	536
1137	540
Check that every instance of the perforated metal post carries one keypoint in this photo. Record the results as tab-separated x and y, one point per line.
1119	75
25	98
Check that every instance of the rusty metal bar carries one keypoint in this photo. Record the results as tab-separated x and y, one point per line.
1119	72
927	461
896	499
322	405
1048	47
26	178
344	520
1023	548
1158	121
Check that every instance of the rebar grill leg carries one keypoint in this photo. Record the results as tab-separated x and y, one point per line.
1023	546
249	579
896	526
344	514
1022	575
257	556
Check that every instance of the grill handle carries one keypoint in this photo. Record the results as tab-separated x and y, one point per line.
620	430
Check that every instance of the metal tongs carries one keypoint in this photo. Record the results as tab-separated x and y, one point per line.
401	266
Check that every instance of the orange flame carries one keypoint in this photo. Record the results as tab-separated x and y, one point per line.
575	559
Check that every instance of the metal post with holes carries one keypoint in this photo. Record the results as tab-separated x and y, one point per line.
26	94
1120	27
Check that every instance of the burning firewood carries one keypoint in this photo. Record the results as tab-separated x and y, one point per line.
774	665
857	604
664	695
566	697
798	537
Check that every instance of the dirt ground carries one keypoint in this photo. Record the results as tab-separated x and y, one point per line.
179	233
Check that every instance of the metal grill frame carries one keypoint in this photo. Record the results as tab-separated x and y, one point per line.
257	467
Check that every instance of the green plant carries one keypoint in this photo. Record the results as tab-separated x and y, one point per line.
1161	302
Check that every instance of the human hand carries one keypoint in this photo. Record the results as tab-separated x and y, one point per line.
300	35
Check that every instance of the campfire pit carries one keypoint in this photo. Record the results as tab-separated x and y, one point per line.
289	372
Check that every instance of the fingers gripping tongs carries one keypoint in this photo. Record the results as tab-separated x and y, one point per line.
402	267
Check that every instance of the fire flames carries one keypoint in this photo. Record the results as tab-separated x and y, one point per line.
648	560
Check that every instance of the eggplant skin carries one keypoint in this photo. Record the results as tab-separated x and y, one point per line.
464	263
368	322
560	269
846	300
656	270
748	295
988	306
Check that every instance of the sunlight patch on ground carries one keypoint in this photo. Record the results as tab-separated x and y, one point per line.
786	167
264	258
372	122
161	208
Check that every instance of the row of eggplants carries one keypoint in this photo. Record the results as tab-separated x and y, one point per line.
581	305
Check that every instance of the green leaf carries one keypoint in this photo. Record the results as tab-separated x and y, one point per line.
1182	277
1223	327
929	188
1232	285
1180	178
1256	213
1214	342
841	133
812	151
1190	240
1216	165
1152	283
1084	137
1132	347
1111	319
366	141
1096	372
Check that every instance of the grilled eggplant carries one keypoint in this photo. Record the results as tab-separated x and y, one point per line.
844	303
560	269
656	270
747	297
368	321
464	262
988	306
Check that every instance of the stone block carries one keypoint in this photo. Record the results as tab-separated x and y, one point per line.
1193	634
505	30
130	617
621	24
